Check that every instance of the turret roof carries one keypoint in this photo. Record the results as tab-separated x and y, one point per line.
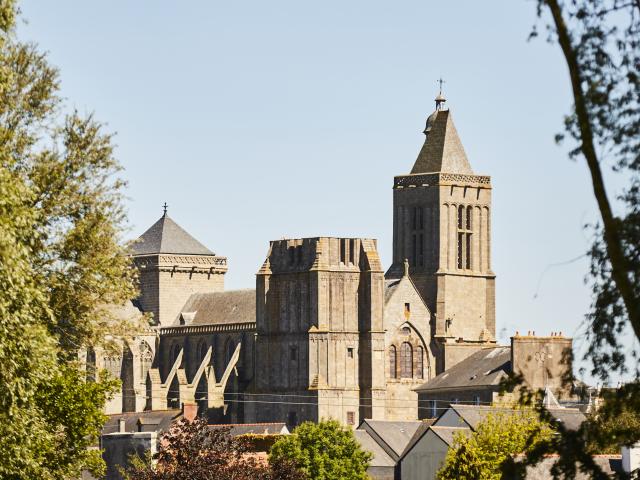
166	236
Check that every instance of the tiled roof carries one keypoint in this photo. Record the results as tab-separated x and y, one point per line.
609	464
166	236
483	368
418	434
448	434
233	306
442	150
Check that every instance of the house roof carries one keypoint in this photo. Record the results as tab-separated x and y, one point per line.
380	457
166	236
485	367
232	306
395	434
442	150
275	428
421	430
447	434
474	414
152	421
610	464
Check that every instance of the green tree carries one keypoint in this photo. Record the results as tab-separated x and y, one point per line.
481	454
61	264
323	451
191	450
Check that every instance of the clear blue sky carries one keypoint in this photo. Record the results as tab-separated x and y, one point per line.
259	120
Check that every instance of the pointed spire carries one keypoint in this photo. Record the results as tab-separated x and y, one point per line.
442	150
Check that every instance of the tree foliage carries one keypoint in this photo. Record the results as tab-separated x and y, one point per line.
482	453
61	264
323	451
600	41
191	450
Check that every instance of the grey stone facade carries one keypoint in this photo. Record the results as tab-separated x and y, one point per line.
325	334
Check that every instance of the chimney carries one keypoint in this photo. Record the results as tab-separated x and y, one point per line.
122	427
190	411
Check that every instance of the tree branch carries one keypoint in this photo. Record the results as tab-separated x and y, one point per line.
619	264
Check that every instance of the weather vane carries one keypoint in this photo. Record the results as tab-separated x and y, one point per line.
164	207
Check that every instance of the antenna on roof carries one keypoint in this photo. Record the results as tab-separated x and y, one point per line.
164	208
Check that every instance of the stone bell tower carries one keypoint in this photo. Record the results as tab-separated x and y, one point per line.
442	226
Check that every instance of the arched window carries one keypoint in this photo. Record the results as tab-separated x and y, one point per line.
406	360
393	371
420	363
113	364
146	358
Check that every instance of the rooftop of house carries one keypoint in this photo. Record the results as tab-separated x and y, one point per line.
472	415
486	367
276	428
396	435
152	421
380	457
166	236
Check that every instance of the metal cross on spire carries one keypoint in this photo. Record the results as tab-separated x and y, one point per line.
440	98
164	208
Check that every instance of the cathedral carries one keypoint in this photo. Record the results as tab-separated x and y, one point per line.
326	333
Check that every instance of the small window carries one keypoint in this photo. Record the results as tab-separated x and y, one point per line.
434	408
350	352
293	353
406	330
407	309
476	400
351	418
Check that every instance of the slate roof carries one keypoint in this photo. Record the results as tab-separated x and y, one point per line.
442	150
474	414
395	434
152	421
486	367
421	430
447	434
255	428
232	306
390	286
166	236
380	457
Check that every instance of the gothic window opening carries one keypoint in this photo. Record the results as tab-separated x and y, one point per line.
406	360
417	225
393	372
146	358
465	231
420	363
91	365
293	353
